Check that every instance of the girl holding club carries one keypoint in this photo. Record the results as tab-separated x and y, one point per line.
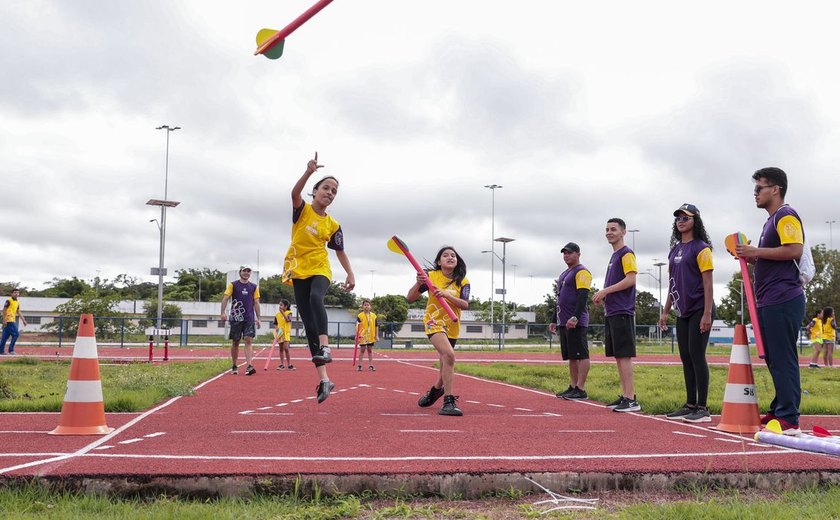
307	265
449	276
283	324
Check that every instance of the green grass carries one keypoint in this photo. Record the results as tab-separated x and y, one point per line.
32	385
660	389
34	501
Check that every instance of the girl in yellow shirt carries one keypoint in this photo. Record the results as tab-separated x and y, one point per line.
307	265
449	275
828	336
366	328
815	330
283	324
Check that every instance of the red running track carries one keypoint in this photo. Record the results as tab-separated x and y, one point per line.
270	424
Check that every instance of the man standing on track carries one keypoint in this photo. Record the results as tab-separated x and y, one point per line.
619	299
571	320
245	305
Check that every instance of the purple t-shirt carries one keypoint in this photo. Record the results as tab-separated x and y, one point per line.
242	301
776	281
686	279
622	302
567	296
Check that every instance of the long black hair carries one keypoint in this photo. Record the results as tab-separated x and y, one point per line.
699	231
828	312
460	271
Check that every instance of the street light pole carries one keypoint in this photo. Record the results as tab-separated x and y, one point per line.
633	231
830	235
492	188
659	265
165	203
504	242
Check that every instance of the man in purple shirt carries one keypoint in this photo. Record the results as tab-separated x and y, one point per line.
778	293
619	299
571	320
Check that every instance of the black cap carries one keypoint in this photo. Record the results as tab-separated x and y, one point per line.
571	247
689	209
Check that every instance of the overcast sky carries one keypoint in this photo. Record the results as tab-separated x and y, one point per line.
581	110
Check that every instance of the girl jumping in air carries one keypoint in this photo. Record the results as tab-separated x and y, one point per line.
307	265
449	275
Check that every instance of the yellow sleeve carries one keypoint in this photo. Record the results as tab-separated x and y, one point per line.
704	260
790	230
257	293
229	289
628	262
583	279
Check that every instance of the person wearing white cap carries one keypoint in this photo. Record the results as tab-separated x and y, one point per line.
245	305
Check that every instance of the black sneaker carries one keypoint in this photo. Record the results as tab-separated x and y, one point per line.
616	403
250	370
564	393
234	370
291	367
371	368
685	411
629	405
324	389
813	365
431	396
281	367
449	406
322	357
700	414
359	368
576	395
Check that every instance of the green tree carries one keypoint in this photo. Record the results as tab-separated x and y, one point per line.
196	285
272	290
729	309
6	288
171	314
88	302
390	308
65	288
338	297
647	308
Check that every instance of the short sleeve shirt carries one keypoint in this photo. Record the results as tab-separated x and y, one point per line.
307	256
778	281
242	297
622	263
436	320
686	264
367	327
570	282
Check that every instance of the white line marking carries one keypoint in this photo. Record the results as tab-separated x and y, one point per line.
414	393
296	400
23	431
494	405
281	404
106	447
263	431
550	414
153	435
546	414
264	408
473	402
585	431
689	434
453	457
736	441
431	431
131	441
379	388
403	414
524	409
271	413
400	391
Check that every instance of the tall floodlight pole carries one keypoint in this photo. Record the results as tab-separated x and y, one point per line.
659	265
165	203
492	188
504	242
830	235
633	241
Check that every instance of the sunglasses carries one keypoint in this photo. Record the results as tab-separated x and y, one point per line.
759	187
682	218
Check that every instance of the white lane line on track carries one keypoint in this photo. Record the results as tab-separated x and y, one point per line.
99	442
264	408
545	414
736	441
524	409
404	414
453	457
263	431
496	405
585	431
153	435
689	434
106	447
431	431
130	441
23	431
268	413
473	402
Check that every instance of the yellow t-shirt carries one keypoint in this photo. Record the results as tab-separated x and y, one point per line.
436	320
307	256
366	323
284	328
10	311
816	330
828	330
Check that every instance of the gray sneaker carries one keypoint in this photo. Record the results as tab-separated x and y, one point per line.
618	402
324	389
564	393
700	414
576	395
685	411
629	405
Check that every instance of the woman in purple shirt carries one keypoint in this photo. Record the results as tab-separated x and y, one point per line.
690	295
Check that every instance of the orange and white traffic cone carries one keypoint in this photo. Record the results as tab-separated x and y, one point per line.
83	411
740	405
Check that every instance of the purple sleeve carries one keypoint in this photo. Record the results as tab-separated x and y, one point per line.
336	242
465	292
423	288
297	211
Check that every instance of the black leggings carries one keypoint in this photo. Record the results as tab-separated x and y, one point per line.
693	356
309	296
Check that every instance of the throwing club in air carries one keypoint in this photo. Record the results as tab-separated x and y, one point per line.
731	241
398	246
270	41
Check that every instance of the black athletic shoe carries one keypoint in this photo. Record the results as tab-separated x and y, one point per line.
685	411
250	370
234	370
324	389
281	367
322	357
449	406
371	368
564	393
629	405
359	368
575	395
700	414
431	396
291	367
618	402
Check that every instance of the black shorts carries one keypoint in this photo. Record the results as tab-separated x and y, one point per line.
242	328
620	336
573	343
368	345
452	341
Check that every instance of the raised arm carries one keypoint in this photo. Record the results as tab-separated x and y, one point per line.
311	167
